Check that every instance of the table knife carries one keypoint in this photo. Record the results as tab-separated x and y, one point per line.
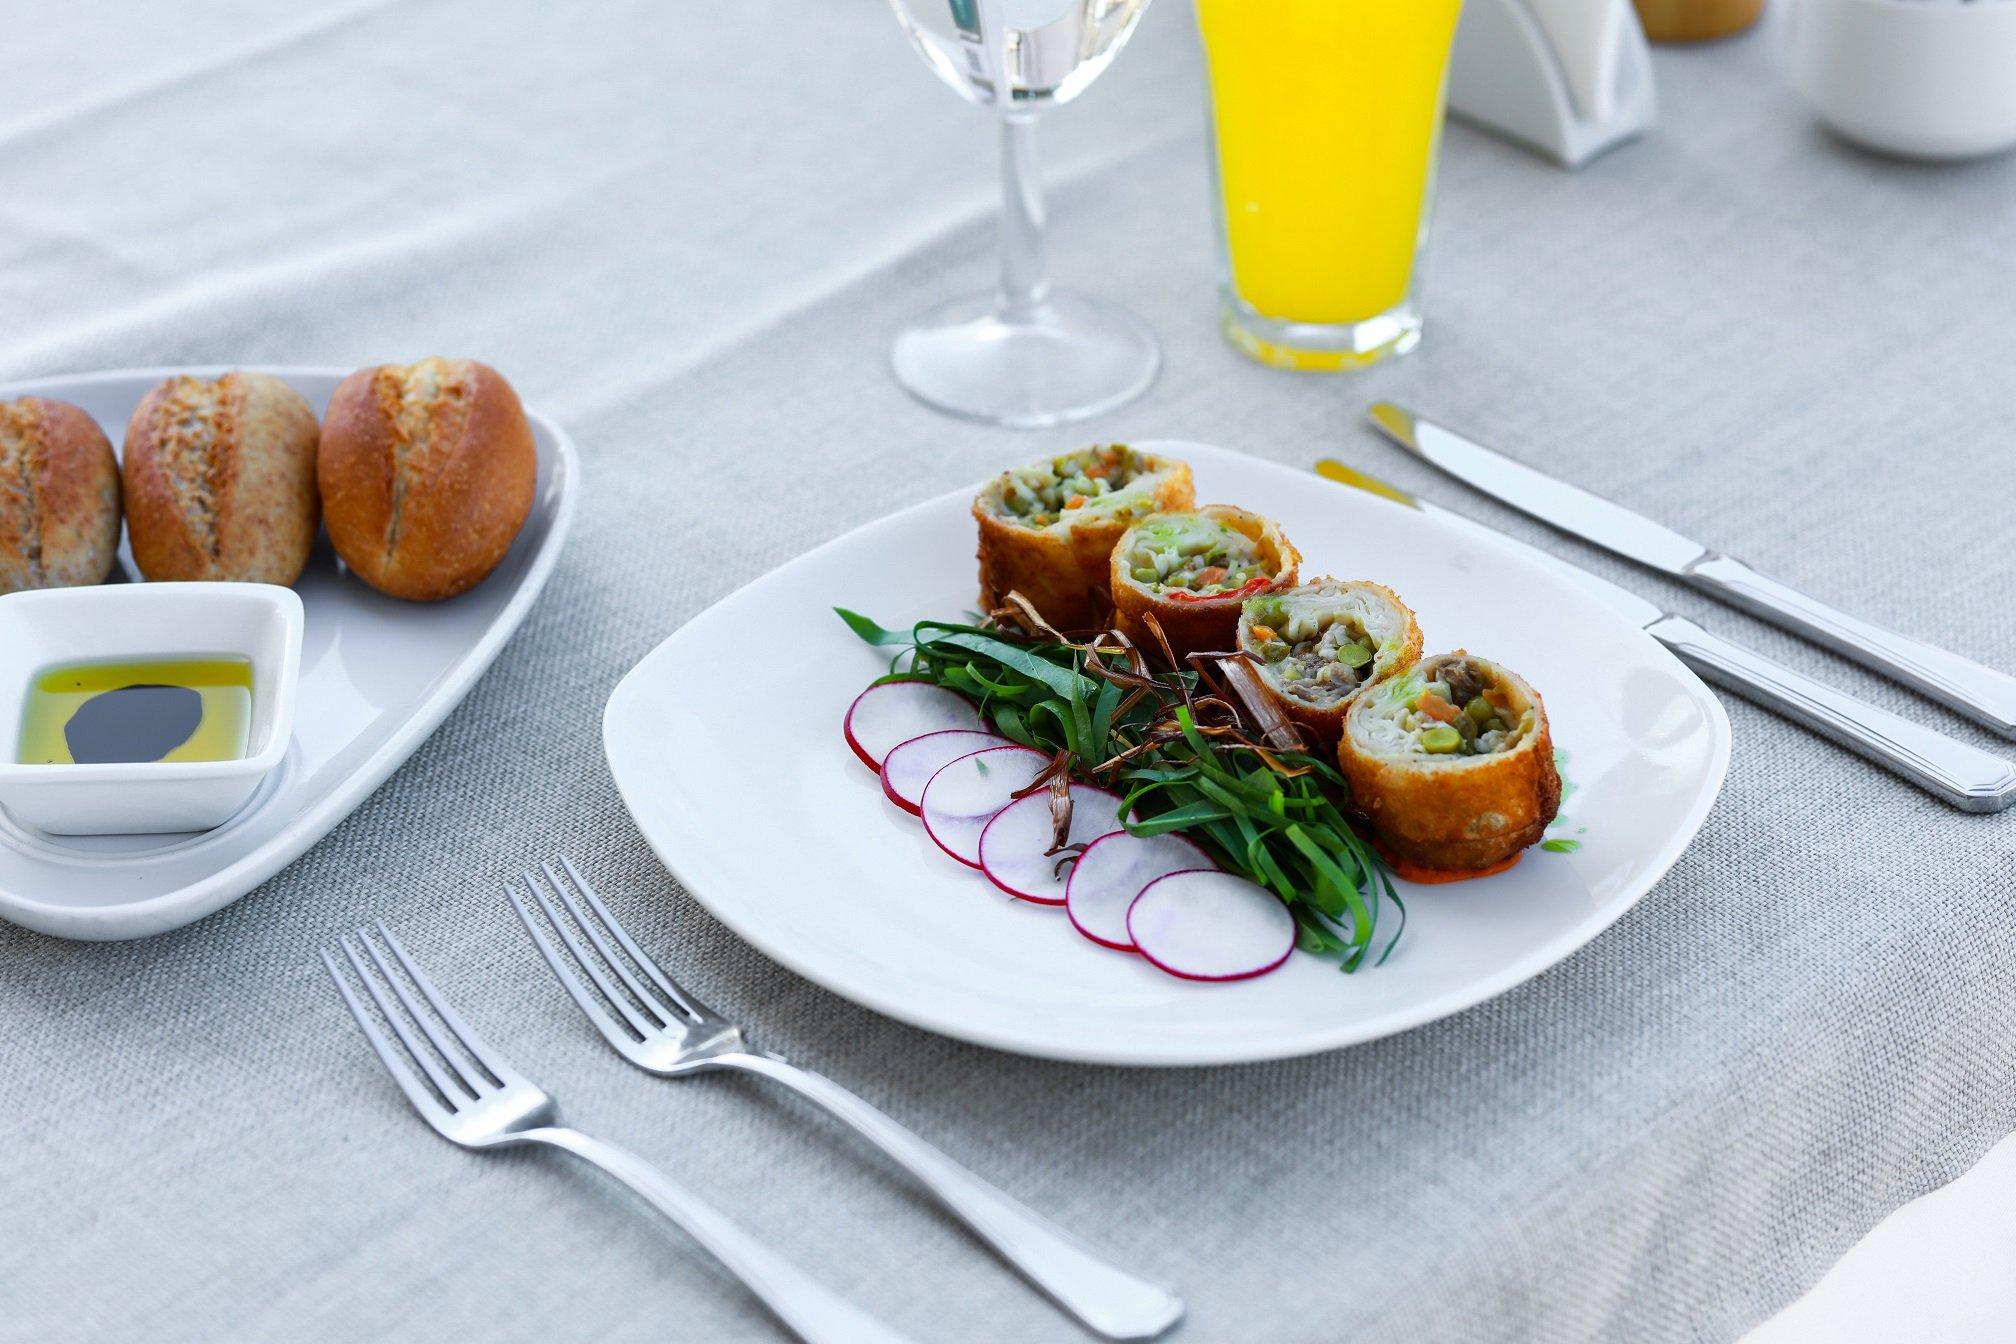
1960	684
1967	777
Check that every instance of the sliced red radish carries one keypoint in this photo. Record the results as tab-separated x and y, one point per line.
1208	925
909	766
1012	848
1112	871
887	715
965	794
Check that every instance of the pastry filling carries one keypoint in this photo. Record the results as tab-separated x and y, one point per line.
1189	556
1453	707
1320	644
1111	482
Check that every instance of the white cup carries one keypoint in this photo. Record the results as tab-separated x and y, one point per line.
1931	79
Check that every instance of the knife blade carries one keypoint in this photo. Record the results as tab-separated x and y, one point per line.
1957	683
1965	776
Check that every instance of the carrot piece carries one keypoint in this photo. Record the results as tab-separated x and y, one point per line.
1211	574
1265	633
1075	502
1436	708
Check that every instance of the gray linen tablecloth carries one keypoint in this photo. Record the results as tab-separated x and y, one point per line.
687	231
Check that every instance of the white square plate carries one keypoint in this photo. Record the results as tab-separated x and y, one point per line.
730	757
377	676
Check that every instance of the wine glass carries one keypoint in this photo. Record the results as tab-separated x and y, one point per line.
1022	355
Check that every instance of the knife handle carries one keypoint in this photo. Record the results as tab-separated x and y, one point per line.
1967	777
1961	684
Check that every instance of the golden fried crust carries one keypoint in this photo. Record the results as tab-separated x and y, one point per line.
1325	723
1062	570
220	480
59	497
1207	626
428	471
1457	814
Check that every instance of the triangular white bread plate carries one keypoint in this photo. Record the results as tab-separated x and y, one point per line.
377	676
736	772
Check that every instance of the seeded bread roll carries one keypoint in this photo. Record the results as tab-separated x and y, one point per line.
427	474
220	480
59	497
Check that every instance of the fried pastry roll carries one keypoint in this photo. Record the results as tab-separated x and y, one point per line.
1451	763
1192	571
1048	529
1319	644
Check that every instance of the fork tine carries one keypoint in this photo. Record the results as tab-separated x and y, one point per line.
643	1026
471	1080
499	1067
597	1014
445	1099
588	926
692	1007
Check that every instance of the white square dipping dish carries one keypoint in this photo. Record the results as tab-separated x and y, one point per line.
258	622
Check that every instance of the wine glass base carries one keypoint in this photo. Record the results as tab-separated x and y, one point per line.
1070	358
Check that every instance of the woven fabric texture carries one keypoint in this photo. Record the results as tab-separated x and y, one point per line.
687	231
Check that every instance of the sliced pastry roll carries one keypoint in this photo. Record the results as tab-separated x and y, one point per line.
1047	529
1318	645
1451	763
1193	571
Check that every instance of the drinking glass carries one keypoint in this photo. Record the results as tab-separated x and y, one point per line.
1326	121
1023	355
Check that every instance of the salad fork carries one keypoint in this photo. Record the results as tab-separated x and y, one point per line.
473	1097
653	1022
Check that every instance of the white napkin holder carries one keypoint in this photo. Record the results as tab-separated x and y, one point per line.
1568	79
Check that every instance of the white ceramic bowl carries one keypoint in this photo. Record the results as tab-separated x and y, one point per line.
1931	79
255	621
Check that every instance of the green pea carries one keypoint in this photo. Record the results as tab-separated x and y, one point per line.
1273	650
1480	710
1144	574
1353	654
1441	740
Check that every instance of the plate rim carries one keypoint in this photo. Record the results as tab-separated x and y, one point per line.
1480	990
192	901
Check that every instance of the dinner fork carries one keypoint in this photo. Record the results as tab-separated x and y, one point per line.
473	1097
657	1025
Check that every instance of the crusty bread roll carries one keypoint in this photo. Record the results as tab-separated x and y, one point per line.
59	497
220	480
427	473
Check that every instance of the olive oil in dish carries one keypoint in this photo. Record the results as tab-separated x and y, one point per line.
140	710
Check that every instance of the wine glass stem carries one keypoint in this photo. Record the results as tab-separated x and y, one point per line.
1025	277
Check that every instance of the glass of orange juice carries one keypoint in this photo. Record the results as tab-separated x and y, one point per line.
1326	120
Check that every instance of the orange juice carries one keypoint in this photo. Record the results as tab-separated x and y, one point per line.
1327	116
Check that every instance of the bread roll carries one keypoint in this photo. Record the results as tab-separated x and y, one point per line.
220	480
59	497
427	474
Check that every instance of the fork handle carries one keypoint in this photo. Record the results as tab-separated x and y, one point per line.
1108	1299
814	1312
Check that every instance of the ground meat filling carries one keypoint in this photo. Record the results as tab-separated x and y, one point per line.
1193	556
1319	663
1114	481
1454	707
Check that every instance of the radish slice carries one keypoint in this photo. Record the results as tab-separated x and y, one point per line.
909	767
885	716
1012	847
1208	925
1112	871
965	794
